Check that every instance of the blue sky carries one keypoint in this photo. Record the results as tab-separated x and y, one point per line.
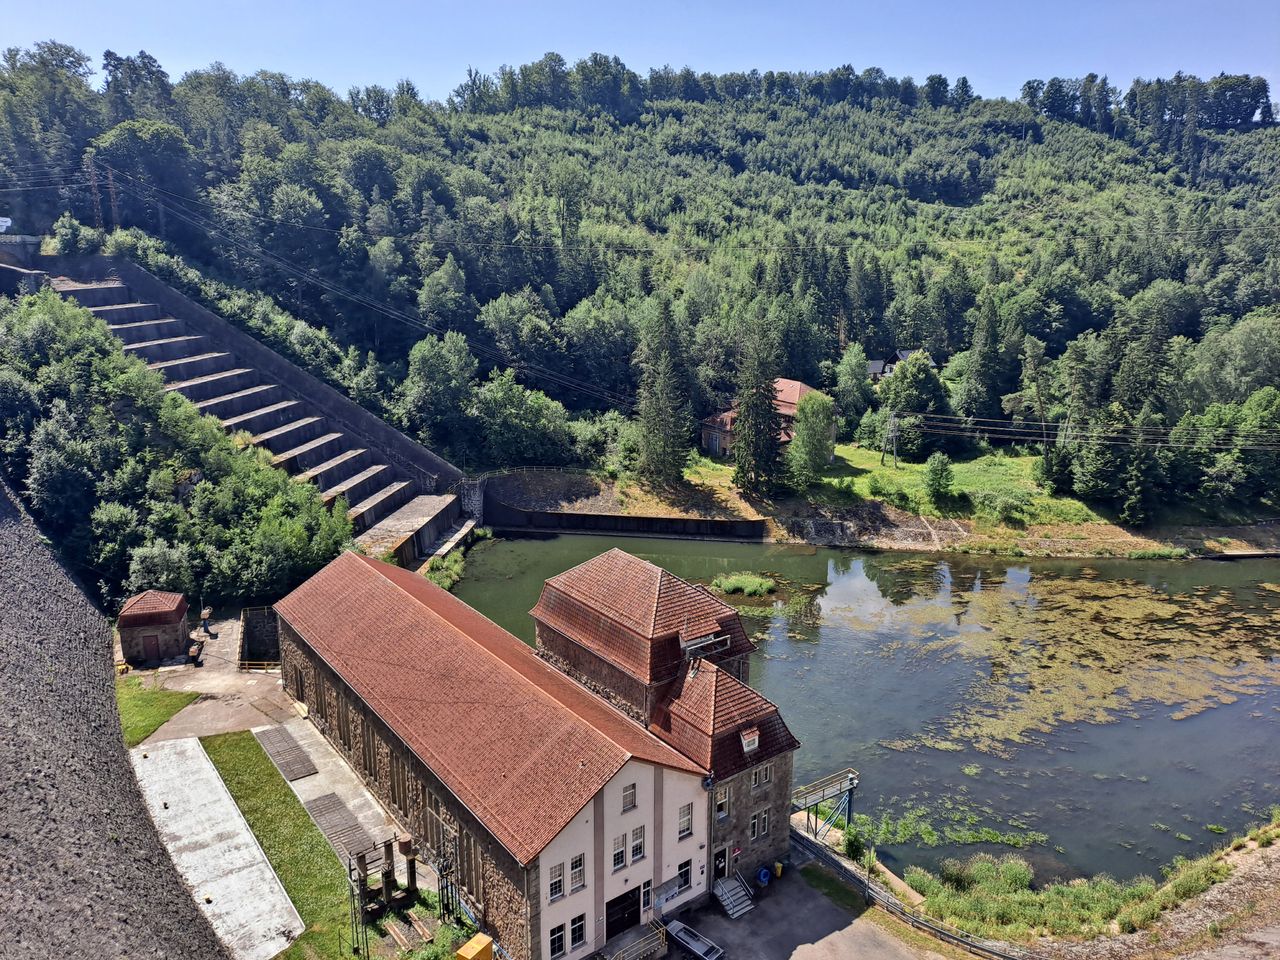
996	44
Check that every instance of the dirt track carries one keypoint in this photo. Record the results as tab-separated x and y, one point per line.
82	868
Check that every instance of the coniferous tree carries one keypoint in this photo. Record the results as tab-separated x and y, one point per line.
756	444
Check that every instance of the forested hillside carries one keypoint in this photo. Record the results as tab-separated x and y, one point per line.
512	274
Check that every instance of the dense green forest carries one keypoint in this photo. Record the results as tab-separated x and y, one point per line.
139	489
574	263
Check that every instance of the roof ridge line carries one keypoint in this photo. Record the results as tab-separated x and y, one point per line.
541	664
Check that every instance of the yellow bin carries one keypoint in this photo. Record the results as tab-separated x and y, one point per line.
478	947
777	868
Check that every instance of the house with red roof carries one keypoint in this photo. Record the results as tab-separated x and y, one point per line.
717	429
152	627
569	823
676	659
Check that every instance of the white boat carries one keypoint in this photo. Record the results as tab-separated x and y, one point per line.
693	941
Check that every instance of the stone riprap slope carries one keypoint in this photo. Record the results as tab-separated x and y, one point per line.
82	869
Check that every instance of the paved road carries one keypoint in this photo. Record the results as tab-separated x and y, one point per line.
793	921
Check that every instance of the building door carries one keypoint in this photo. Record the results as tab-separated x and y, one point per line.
621	913
151	647
722	863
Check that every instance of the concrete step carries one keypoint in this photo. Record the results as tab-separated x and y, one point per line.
308	454
105	294
733	896
336	469
410	529
289	435
143	330
114	313
196	365
231	404
385	501
214	384
166	348
359	485
264	418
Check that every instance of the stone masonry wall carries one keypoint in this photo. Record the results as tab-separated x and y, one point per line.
595	673
734	831
494	881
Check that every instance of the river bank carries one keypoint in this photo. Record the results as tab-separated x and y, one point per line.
852	522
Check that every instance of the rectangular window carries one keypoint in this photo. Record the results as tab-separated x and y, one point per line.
557	880
637	844
619	852
764	822
761	776
628	797
686	875
646	895
755	825
369	750
557	941
722	802
577	873
686	821
578	931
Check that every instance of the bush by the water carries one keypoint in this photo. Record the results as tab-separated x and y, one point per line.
993	897
745	583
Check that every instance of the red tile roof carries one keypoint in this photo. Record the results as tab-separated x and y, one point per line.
786	395
706	713
635	614
516	741
151	608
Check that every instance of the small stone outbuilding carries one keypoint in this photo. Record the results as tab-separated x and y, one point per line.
153	626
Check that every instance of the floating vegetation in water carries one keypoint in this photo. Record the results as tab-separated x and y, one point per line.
971	769
744	582
1162	827
1182	836
1055	650
954	820
1215	828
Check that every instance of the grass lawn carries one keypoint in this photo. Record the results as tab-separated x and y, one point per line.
989	473
307	866
144	709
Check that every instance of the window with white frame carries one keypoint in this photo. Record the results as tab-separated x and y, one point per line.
557	881
646	895
761	776
755	825
750	740
764	822
685	875
637	843
628	797
557	941
619	852
686	821
577	873
722	802
759	824
578	931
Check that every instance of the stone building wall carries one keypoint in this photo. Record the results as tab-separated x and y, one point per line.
492	879
624	691
734	831
172	640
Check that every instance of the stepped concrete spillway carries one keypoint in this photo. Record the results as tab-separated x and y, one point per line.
393	487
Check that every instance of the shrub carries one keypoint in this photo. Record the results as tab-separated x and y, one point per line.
1005	506
746	583
938	477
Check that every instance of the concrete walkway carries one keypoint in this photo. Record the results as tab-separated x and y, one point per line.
214	849
230	699
334	775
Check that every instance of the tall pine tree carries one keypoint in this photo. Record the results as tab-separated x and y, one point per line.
664	411
756	447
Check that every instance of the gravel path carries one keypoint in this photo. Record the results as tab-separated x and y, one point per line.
83	870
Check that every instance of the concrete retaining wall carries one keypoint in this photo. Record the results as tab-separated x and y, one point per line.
503	516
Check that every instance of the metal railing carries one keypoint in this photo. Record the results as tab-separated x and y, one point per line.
645	947
258	666
875	893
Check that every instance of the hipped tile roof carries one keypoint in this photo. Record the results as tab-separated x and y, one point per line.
152	607
520	744
635	614
706	713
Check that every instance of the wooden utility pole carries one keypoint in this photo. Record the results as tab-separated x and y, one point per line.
115	199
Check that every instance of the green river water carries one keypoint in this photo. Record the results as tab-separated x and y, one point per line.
1105	714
